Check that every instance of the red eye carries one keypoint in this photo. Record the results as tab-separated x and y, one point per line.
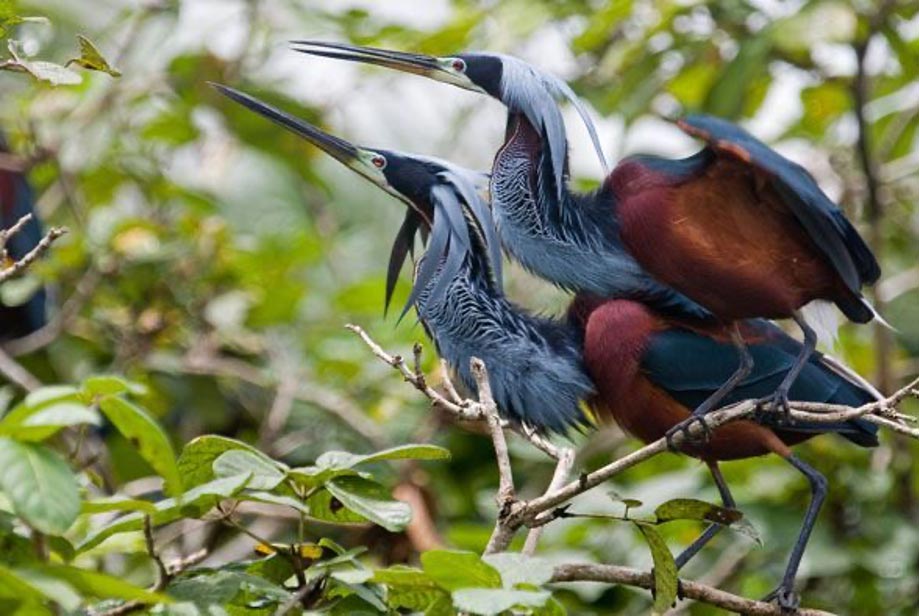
378	161
459	65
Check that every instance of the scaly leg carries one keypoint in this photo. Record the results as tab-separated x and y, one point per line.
727	499
713	401
785	595
778	401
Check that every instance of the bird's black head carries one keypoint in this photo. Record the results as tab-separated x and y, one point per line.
483	69
428	186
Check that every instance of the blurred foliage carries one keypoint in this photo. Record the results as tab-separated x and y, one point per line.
213	259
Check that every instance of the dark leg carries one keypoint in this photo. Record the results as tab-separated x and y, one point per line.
778	401
713	401
785	595
709	533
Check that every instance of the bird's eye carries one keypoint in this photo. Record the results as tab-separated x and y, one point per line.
459	65
378	161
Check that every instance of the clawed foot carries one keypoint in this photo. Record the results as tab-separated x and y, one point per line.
689	437
785	598
774	409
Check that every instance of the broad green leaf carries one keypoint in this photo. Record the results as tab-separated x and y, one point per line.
117	503
196	461
370	500
91	59
275	499
692	509
489	602
407	452
94	584
266	473
665	571
454	569
45	411
147	436
110	385
192	504
42	422
54	589
18	592
518	568
40	485
411	589
326	508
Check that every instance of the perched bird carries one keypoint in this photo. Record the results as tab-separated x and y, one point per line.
17	200
642	368
738	229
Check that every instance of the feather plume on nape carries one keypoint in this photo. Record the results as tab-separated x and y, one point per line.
536	94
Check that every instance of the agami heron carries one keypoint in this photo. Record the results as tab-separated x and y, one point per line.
624	359
736	228
17	200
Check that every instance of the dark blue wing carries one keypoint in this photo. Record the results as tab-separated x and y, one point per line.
17	200
691	366
824	221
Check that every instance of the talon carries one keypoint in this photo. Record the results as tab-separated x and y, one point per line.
688	436
774	409
786	598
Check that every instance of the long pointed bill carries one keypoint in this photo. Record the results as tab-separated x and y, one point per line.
433	67
331	145
363	162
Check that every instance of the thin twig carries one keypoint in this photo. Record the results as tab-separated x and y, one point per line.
13	371
615	574
163	575
559	477
501	536
41	247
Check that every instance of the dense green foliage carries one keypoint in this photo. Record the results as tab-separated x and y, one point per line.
213	259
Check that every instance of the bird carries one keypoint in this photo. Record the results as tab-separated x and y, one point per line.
735	229
618	358
17	200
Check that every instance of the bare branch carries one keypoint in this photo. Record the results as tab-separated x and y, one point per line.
538	512
559	477
13	371
40	248
614	574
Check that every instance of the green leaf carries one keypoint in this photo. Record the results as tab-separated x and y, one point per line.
266	473
731	88
518	568
370	500
94	584
276	499
196	462
665	571
489	602
192	504
44	412
21	594
147	436
91	59
109	385
117	503
412	589
406	452
453	569
40	486
693	509
43	422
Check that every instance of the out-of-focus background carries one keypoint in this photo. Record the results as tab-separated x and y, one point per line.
215	258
